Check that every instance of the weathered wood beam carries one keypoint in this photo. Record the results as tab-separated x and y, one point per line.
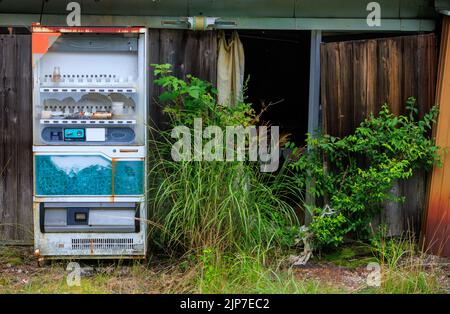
437	226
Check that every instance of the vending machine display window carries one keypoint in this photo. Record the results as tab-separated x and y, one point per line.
91	83
73	175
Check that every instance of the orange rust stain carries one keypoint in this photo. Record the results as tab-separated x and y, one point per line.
40	42
80	29
128	150
437	236
437	231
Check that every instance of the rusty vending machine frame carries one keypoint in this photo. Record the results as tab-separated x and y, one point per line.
89	160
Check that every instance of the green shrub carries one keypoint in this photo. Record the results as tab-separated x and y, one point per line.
353	175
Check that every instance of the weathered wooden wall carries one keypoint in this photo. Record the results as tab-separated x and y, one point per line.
15	138
358	77
189	52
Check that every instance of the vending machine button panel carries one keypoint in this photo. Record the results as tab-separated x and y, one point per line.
74	135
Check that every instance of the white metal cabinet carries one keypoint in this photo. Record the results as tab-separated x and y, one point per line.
89	142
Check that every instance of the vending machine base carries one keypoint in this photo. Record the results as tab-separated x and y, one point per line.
87	230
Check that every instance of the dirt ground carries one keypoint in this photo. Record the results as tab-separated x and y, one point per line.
19	273
348	279
354	279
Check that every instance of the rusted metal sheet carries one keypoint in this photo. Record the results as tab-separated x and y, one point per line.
437	227
37	28
358	77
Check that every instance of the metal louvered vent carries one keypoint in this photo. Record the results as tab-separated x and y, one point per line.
102	244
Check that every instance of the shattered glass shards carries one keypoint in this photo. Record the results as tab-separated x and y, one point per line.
73	175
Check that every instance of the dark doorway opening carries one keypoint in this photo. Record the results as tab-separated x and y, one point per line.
277	64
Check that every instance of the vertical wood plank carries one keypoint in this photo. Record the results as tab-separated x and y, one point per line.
24	216
10	144
15	138
332	82
394	74
324	87
155	112
4	160
372	103
360	63
346	97
188	52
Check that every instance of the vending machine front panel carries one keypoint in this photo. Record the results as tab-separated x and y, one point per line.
89	141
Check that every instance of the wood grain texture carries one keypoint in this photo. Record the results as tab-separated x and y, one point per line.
358	77
188	52
437	225
15	138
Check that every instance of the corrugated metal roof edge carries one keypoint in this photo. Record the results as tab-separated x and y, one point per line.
407	25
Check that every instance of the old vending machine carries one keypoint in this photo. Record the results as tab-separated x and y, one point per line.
89	142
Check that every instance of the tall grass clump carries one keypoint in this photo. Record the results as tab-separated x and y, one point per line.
247	272
223	205
405	268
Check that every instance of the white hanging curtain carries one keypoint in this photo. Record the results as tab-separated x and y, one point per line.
230	69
